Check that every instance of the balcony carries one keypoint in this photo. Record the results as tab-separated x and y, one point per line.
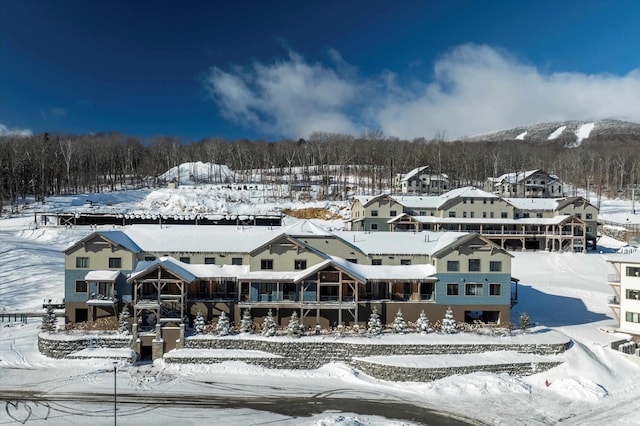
613	278
613	300
101	300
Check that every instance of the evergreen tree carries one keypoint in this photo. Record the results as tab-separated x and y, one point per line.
49	320
223	327
123	321
422	324
449	324
269	325
525	322
246	323
293	328
374	326
399	325
198	323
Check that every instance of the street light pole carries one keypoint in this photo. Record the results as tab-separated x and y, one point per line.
115	368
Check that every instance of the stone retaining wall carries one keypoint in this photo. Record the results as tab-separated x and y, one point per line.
310	355
62	345
416	374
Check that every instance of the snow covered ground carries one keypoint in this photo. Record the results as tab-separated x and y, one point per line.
563	293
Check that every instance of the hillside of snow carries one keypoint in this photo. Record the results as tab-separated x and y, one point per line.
572	132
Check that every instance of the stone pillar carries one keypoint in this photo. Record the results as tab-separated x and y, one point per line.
135	341
157	345
180	341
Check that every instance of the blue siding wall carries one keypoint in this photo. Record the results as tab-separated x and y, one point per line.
463	278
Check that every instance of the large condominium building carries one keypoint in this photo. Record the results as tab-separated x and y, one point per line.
165	275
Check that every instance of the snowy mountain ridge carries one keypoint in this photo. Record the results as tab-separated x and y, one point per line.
572	132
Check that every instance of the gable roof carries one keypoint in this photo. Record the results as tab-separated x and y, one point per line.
118	238
436	202
413	173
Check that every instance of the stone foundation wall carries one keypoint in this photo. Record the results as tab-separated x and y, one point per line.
62	345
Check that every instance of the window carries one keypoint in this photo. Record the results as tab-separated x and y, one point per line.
633	294
185	259
209	260
149	258
589	216
453	266
376	262
473	289
491	215
539	215
374	213
452	289
464	201
474	265
236	261
352	260
503	215
632	271
266	264
374	226
299	264
452	214
495	266
473	214
579	215
115	262
393	213
82	262
484	214
464	214
633	317
405	261
81	286
495	289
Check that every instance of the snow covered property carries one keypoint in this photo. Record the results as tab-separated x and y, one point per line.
166	275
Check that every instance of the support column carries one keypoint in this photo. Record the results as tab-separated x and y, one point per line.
157	345
135	341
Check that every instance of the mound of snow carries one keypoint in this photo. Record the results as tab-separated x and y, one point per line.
578	388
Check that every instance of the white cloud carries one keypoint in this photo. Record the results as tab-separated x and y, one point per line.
6	131
53	113
474	89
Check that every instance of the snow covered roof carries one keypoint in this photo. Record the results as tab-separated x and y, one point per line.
414	172
200	238
389	272
515	177
122	239
399	243
101	275
414	201
187	271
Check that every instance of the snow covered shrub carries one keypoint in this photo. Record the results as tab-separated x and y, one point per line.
246	323
223	327
422	324
399	325
525	322
123	321
269	325
293	329
198	323
449	324
374	326
49	321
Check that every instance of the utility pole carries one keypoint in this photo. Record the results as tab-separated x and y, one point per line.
115	407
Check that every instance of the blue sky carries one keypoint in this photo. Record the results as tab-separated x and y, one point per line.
284	69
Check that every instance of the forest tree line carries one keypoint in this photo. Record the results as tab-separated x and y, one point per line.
43	165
